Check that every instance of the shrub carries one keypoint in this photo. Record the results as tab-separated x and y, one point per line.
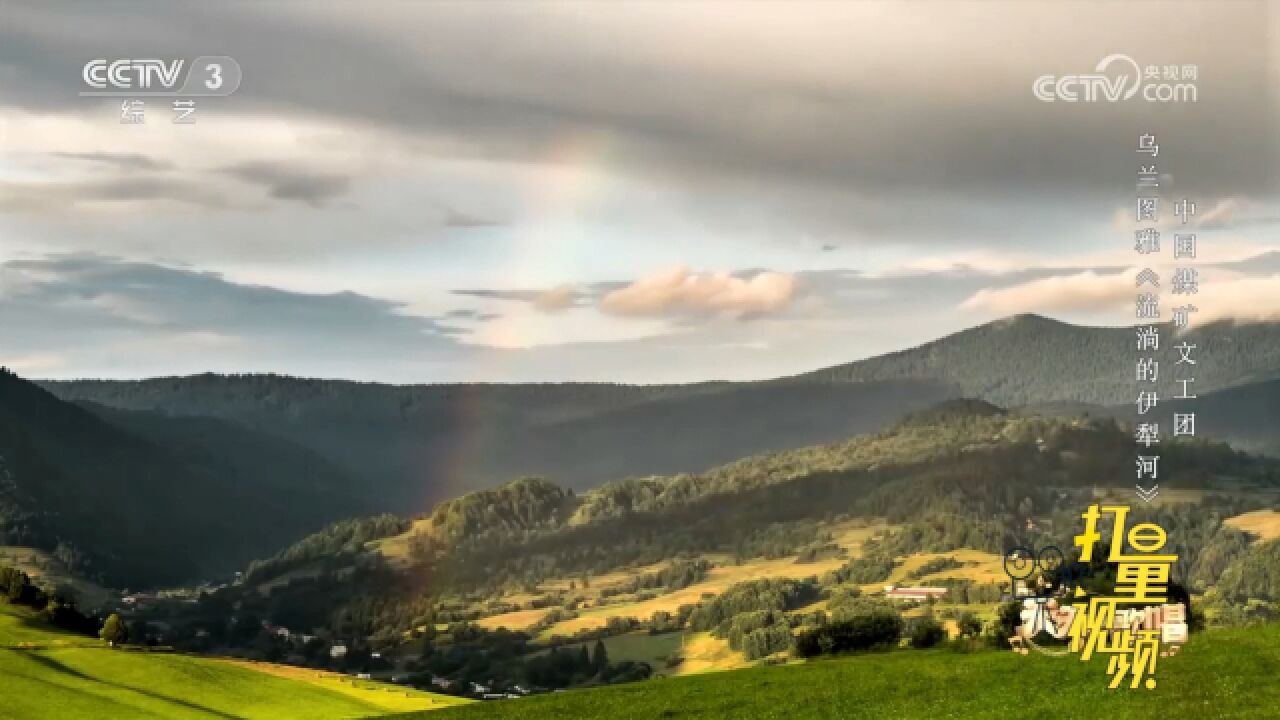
861	632
969	625
927	633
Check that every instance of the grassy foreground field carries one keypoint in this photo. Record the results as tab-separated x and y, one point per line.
1222	674
47	674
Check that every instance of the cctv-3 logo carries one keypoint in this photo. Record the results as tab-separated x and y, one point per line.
206	75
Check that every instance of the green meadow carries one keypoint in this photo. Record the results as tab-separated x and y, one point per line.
49	674
1220	674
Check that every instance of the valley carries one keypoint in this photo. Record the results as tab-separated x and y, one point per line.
529	585
366	586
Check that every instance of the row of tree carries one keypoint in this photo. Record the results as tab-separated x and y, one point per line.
57	609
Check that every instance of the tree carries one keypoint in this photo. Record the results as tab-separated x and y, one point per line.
113	631
1009	617
14	584
600	658
1005	626
927	633
969	625
881	627
140	631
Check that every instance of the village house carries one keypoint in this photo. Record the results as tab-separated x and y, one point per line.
338	651
442	683
137	600
914	594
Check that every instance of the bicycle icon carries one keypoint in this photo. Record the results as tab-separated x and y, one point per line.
1044	576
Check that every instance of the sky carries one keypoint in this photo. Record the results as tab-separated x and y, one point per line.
623	192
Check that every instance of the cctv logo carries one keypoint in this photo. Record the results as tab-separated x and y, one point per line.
132	74
1123	83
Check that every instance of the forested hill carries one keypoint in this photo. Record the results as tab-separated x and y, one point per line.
1029	359
963	459
417	445
135	499
965	475
1247	416
414	446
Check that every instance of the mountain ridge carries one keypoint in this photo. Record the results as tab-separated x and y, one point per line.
140	500
421	444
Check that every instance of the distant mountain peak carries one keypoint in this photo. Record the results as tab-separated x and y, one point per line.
1026	319
1030	358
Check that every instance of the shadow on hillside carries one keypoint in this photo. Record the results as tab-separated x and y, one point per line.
59	667
58	637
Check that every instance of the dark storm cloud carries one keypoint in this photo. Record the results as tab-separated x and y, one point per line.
888	139
286	182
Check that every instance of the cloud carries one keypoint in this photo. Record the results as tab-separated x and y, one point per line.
527	296
557	298
471	314
1088	291
550	300
833	123
122	160
34	363
121	318
1221	214
680	292
1222	294
121	192
1245	299
1266	263
455	218
619	136
288	182
65	172
1236	212
973	262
